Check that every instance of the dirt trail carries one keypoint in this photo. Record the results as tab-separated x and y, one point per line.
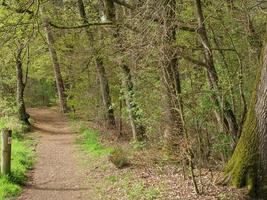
57	174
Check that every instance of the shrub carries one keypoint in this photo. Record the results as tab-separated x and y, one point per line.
119	158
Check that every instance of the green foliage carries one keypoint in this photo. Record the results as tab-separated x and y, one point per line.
22	161
7	188
90	142
223	144
119	158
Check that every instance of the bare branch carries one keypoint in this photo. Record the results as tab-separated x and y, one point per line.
81	26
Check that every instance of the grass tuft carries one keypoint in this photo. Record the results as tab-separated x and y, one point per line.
119	158
90	142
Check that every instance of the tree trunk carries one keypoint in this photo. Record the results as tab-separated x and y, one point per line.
248	165
138	129
261	116
104	85
223	112
56	65
22	114
171	79
135	118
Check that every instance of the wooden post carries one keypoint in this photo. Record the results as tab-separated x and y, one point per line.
6	152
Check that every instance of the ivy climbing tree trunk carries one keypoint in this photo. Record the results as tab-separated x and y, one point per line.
171	79
57	70
134	114
104	85
22	114
138	129
248	165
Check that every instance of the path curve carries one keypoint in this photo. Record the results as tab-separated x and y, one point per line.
57	174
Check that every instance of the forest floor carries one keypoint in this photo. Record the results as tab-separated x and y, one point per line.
65	171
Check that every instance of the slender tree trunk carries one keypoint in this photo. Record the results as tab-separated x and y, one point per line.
57	70
135	118
223	112
104	85
248	165
171	79
22	114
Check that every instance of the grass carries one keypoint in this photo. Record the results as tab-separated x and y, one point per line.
123	181
89	141
22	161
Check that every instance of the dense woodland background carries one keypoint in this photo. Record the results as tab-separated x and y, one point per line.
176	76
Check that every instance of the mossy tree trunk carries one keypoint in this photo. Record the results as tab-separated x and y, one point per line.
248	165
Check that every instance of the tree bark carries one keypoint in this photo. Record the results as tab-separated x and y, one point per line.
261	116
57	70
171	79
104	85
248	165
223	112
135	118
138	129
22	114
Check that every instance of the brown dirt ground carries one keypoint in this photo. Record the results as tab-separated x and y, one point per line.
63	172
56	174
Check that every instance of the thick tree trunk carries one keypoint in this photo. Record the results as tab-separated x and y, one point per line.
224	114
56	65
22	114
104	85
261	116
248	165
171	79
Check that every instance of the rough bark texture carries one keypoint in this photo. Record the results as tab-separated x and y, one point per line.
261	116
22	114
171	79
228	119
56	65
248	165
104	85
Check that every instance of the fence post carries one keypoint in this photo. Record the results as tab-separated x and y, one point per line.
6	151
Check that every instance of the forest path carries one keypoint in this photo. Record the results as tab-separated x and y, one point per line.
57	174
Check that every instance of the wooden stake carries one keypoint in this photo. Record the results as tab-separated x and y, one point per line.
6	152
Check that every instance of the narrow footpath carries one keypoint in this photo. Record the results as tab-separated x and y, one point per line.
57	174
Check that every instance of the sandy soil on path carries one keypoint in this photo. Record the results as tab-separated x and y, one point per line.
57	175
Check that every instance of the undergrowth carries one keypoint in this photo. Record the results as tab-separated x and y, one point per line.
22	161
89	141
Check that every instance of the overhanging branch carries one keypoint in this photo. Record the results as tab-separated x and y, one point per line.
80	26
